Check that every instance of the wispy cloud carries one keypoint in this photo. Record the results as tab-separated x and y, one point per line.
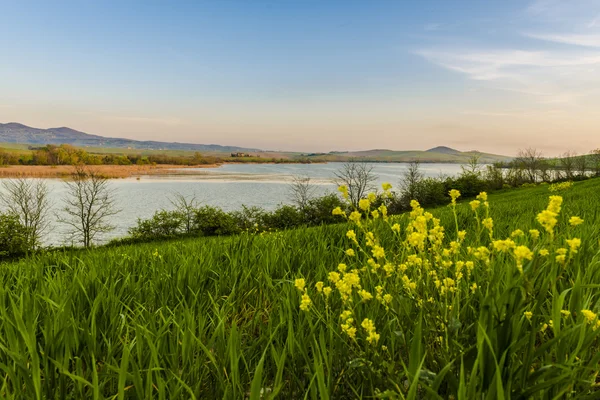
589	40
560	66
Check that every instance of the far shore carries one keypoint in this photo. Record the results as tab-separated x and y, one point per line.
108	171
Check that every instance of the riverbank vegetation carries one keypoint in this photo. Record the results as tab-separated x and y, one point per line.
65	154
494	297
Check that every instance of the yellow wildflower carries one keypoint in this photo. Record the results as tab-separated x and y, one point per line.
350	253
334	277
454	194
534	233
375	214
517	233
396	228
589	316
372	197
475	204
305	303
482	196
327	291
528	315
364	204
369	327
319	286
574	244
338	211
351	235
378	252
365	295
574	221
544	252
345	315
355	217
342	267
344	191
503	245
300	283
386	186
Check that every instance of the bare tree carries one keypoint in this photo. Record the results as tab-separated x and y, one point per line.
28	200
358	177
409	184
185	207
301	191
595	159
567	164
473	167
89	205
581	165
530	160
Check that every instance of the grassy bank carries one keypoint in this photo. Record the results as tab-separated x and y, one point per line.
221	318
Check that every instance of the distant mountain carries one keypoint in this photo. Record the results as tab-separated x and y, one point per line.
13	132
444	150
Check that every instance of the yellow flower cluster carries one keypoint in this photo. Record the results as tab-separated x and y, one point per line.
425	266
559	187
369	327
548	217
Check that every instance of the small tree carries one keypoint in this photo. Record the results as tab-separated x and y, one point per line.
567	164
473	166
28	200
301	191
595	160
530	160
89	205
581	165
409	184
358	177
185	207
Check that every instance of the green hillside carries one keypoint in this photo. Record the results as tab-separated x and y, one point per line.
220	317
435	155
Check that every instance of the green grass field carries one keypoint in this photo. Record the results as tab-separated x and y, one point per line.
221	317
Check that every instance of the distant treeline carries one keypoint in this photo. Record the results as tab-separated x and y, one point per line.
66	154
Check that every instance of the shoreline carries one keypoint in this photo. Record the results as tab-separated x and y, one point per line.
108	171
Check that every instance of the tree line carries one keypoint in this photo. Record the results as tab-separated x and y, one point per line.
66	154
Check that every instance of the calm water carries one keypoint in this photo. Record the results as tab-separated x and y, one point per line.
228	187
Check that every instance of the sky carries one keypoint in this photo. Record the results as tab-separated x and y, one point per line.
309	75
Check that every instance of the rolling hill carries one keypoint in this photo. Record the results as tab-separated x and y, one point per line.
13	132
440	154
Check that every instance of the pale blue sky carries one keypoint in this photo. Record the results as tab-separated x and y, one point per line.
309	75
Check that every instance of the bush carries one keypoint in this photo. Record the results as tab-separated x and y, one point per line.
163	224
13	237
318	211
211	221
284	217
249	218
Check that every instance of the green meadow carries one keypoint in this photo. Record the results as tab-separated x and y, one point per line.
220	317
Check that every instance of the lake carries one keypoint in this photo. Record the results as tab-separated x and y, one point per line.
228	187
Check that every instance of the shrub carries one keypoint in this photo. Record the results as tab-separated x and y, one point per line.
284	217
211	221
250	218
13	237
163	224
318	211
